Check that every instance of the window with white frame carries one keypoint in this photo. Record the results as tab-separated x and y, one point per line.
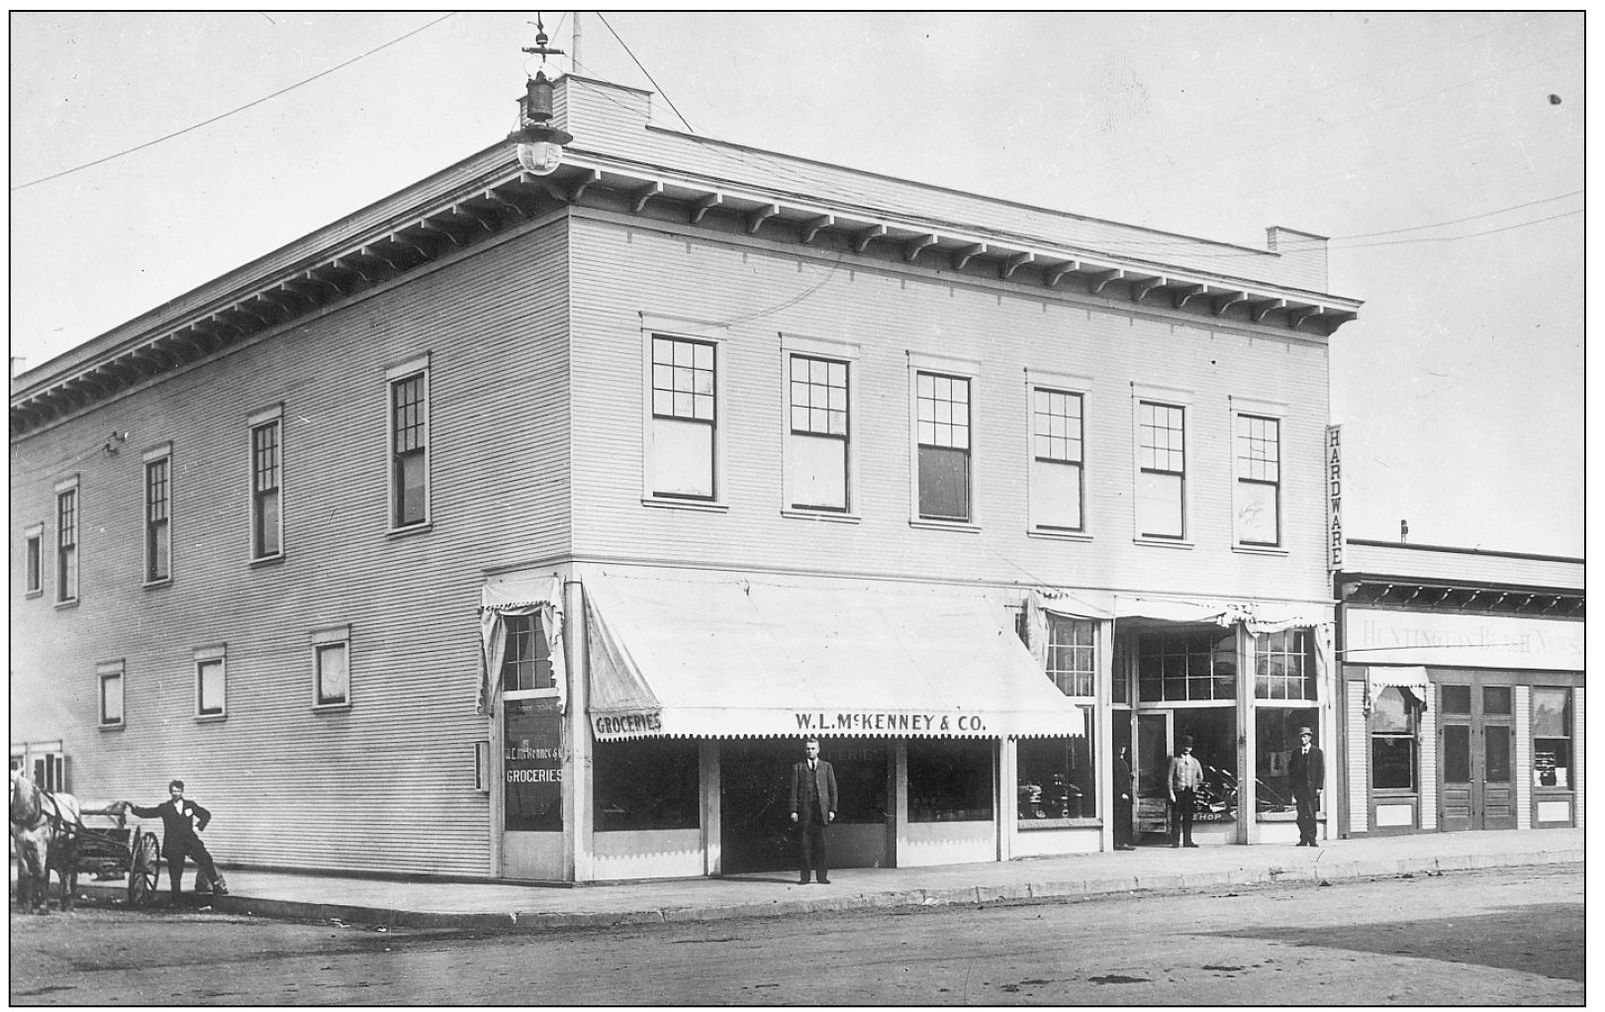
1057	491
267	520
1259	480
211	681
818	449
527	661
942	436
110	676
684	418
33	563
158	514
331	666
1162	470
67	541
409	444
1284	665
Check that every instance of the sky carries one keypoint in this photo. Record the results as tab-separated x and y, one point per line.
1442	153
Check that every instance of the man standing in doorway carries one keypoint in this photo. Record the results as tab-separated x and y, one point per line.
813	807
1307	770
1182	782
1125	786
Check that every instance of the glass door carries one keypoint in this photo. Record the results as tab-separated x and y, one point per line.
1153	763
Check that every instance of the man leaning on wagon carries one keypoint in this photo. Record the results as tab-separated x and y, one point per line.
183	821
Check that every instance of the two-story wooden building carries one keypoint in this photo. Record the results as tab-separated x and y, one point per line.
523	525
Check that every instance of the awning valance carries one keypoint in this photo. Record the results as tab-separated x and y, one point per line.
540	595
1412	679
743	658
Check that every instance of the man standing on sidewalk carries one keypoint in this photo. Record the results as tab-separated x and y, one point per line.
813	807
1182	782
1125	786
1307	770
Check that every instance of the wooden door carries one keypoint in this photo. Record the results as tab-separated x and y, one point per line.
1476	787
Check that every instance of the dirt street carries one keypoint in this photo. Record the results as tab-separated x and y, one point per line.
1499	937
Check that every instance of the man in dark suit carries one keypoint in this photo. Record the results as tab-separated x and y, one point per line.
182	823
1125	786
1307	770
813	807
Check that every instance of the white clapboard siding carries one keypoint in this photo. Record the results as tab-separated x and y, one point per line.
386	785
1359	772
1522	714
1579	752
1428	771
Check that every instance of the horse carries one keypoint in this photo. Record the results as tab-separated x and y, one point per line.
44	831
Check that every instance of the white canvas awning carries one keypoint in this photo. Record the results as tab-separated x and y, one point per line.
1412	679
742	658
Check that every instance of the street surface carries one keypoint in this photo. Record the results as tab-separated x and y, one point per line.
1488	938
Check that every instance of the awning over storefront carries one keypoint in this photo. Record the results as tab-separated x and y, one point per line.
501	598
1413	680
746	658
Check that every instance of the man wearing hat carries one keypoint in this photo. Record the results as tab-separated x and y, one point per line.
1182	783
1307	770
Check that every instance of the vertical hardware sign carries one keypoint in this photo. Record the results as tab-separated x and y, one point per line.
1334	497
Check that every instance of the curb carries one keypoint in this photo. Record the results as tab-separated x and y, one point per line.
1057	891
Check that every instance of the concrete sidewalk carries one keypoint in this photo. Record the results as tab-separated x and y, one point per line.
514	907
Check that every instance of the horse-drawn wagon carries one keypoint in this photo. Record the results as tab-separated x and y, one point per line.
111	846
55	832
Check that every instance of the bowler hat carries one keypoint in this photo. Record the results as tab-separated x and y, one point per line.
1186	739
1306	730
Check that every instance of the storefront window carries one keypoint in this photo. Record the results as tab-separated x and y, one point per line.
532	760
1276	738
1394	716
1056	778
950	781
1173	667
1214	734
649	784
1283	668
1071	661
860	766
1552	737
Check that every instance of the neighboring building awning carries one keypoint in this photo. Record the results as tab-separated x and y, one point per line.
743	658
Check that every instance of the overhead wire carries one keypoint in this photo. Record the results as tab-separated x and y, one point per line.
645	71
221	116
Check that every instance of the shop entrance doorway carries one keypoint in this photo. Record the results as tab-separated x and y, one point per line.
1153	762
1476	786
755	804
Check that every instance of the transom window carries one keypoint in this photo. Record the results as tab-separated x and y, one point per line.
942	413
1056	469
818	450
684	417
1162	464
1259	477
1173	667
528	660
1283	668
1072	659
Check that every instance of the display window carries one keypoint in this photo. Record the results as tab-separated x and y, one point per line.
1552	737
950	781
1395	719
1275	740
647	784
1214	733
1055	779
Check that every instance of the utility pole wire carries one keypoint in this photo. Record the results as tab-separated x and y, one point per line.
231	112
645	71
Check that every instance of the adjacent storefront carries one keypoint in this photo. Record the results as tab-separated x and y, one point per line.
1463	697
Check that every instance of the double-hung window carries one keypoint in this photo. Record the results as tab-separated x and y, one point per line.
409	444
818	442
158	514
1057	484
1258	442
685	420
267	514
942	429
1161	470
67	541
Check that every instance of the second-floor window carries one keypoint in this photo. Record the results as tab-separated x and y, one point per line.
1162	470
1056	478
158	519
1259	480
266	516
409	449
817	459
942	419
684	418
67	544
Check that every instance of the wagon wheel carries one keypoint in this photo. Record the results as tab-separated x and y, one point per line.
144	864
